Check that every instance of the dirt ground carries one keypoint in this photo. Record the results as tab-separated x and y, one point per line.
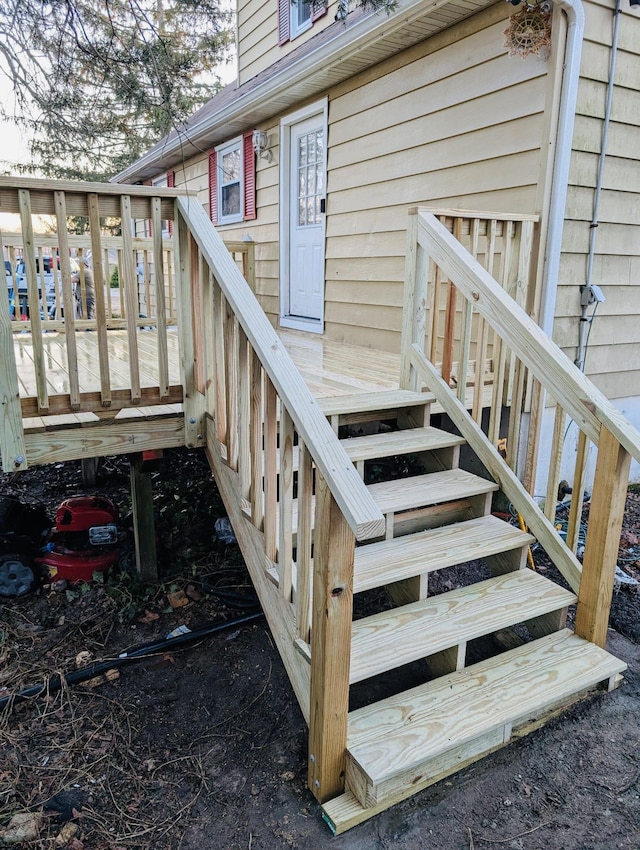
203	748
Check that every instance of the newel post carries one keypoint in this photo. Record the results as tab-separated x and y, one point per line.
603	539
334	547
185	270
414	304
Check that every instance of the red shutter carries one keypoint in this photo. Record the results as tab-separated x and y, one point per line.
283	21
171	182
213	187
249	166
318	9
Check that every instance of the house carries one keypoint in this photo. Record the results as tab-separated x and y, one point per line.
427	184
357	116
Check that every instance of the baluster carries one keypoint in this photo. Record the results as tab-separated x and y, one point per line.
219	310
256	439
555	461
483	332
434	310
304	542
515	415
24	200
67	299
171	284
129	281
99	285
244	417
270	469
161	318
231	383
285	504
498	353
577	494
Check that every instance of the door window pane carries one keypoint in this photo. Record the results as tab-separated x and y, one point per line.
310	166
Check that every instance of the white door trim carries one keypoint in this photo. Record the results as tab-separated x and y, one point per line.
319	107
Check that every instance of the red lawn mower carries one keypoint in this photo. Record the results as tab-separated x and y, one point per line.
85	539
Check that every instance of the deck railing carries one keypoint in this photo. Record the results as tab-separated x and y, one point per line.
246	395
88	257
527	368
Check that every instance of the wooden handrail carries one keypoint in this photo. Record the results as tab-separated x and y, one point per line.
524	365
586	405
360	511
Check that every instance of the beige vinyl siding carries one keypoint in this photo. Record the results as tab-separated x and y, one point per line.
258	46
460	126
613	358
264	230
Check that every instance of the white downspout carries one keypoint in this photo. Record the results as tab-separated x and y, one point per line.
574	11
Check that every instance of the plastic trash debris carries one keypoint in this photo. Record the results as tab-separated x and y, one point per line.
179	630
224	530
622	578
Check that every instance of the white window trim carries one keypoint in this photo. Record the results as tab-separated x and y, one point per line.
296	29
221	150
286	320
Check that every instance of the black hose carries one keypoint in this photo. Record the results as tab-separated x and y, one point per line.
96	668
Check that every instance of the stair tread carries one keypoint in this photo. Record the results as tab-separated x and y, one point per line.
403	494
400	733
426	551
395	637
391	443
363	402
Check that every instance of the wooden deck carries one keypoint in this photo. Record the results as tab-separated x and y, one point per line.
329	368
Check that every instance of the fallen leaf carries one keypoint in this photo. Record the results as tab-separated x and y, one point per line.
67	832
149	617
83	658
193	593
177	599
24	826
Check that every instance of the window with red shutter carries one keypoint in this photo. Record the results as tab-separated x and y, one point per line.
296	16
232	181
284	12
249	169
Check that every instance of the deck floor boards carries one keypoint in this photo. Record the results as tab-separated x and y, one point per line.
329	368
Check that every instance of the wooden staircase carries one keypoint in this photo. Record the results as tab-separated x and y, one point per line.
466	707
461	647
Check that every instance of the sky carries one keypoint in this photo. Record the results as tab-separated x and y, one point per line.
13	143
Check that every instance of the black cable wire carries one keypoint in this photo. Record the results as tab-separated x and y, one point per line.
55	683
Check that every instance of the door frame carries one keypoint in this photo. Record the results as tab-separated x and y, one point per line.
319	107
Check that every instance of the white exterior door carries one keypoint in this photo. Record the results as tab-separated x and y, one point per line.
303	222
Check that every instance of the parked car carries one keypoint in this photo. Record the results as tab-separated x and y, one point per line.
49	285
10	287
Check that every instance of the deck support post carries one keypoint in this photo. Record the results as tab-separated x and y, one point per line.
330	646
603	538
143	521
